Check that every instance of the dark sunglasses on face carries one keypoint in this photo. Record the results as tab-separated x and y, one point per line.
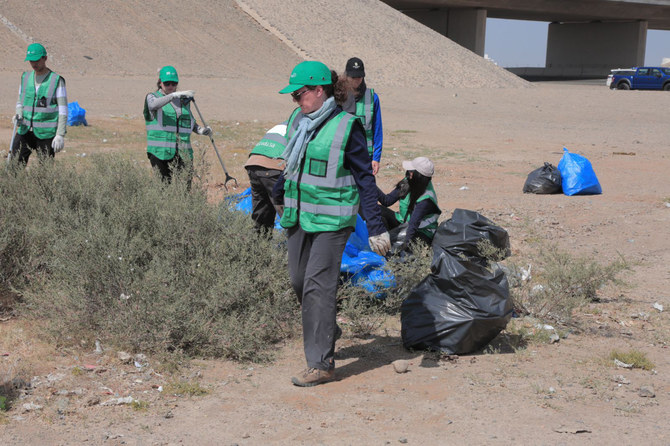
170	83
296	96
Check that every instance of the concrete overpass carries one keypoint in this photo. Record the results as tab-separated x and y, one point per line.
585	38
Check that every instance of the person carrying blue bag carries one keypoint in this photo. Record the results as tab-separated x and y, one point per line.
577	175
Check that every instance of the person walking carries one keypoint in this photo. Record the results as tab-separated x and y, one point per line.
41	109
264	166
418	202
326	178
169	123
364	103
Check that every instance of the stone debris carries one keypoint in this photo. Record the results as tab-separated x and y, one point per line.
620	379
400	365
30	407
647	392
658	306
119	401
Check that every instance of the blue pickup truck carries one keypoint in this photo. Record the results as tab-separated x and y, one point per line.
641	78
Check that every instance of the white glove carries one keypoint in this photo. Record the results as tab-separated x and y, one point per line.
57	143
381	244
183	94
207	130
17	119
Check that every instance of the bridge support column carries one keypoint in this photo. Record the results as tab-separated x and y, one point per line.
465	26
575	49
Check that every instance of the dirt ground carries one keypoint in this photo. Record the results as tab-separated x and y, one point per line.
484	142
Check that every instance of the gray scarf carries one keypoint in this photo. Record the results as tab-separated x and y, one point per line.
295	149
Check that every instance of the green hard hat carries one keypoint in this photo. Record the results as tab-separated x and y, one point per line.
308	73
35	52
168	74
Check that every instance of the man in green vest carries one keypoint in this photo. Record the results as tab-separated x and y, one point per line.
264	166
364	103
41	110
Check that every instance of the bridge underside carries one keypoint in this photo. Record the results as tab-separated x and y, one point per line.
585	37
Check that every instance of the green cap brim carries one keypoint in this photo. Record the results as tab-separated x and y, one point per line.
290	88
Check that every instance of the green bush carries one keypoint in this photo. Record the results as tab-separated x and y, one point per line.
561	283
112	253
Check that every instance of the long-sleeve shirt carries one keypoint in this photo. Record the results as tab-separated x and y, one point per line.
61	100
378	132
154	103
357	160
421	209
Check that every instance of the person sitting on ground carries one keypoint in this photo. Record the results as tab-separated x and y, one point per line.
169	122
418	202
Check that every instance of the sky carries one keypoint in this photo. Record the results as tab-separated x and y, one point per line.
520	43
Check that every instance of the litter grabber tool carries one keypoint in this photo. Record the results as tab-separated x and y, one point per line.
11	144
211	138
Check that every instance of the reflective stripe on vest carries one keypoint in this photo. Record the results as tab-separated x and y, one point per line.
41	115
364	112
273	143
428	224
166	133
322	195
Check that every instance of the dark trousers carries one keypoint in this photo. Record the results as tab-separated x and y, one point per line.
25	144
167	167
262	181
314	266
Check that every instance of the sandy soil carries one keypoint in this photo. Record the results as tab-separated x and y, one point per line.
484	142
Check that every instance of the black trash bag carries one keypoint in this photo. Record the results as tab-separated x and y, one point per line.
462	234
463	304
544	180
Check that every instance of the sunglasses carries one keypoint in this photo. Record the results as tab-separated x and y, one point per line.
296	96
170	83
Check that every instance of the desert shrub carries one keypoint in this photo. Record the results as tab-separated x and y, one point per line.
635	358
365	312
112	253
561	283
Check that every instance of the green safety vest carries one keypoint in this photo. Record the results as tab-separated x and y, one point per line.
322	196
40	109
167	135
364	112
273	143
428	224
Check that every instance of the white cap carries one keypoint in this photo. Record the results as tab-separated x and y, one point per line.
421	164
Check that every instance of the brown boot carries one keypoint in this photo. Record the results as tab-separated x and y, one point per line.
313	377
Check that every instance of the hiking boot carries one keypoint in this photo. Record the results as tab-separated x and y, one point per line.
313	377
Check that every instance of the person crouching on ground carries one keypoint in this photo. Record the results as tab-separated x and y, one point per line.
326	178
169	122
264	166
418	202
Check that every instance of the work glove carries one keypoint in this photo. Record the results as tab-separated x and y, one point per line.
17	119
207	130
381	244
183	94
58	143
403	188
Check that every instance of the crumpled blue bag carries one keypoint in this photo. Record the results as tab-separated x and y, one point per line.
75	114
577	175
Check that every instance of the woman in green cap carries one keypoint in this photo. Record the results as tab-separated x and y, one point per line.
327	176
169	121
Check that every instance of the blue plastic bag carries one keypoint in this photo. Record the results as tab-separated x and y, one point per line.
75	114
577	175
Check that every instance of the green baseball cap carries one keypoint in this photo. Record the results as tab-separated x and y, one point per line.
35	52
307	73
168	74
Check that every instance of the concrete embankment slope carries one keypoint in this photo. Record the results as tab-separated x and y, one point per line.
397	50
